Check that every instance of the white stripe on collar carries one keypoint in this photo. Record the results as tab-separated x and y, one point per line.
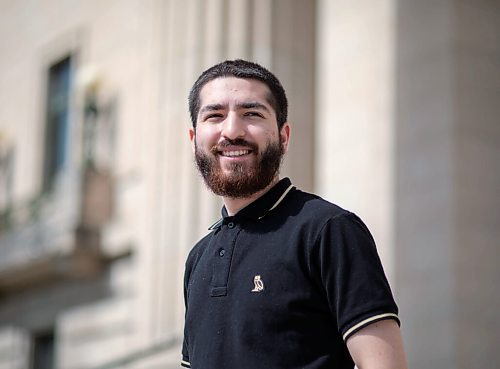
279	200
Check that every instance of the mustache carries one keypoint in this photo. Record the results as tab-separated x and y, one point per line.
236	142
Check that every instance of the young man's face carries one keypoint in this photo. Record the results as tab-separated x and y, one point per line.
237	144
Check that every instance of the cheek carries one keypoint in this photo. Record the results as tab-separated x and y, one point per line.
206	136
264	134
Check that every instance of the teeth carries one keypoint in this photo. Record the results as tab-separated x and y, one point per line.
235	153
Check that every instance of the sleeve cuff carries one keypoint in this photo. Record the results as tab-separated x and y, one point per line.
185	363
358	326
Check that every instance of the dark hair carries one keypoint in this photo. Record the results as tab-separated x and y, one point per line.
241	69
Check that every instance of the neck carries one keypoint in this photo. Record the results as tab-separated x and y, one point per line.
235	205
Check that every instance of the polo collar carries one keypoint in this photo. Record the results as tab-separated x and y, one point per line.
259	208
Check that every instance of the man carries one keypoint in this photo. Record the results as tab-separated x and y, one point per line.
284	279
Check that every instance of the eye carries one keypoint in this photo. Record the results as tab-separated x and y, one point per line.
254	114
213	117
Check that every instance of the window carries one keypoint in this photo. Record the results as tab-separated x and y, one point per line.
43	351
57	121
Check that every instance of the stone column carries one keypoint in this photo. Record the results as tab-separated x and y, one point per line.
292	50
424	166
477	173
354	120
182	41
447	181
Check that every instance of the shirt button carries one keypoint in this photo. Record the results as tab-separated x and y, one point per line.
222	252
230	225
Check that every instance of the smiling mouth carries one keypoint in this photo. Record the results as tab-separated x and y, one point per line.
234	153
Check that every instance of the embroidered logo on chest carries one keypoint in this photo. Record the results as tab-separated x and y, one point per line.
258	284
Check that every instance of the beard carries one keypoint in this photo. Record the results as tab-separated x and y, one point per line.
242	180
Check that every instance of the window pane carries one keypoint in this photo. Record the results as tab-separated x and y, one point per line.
43	351
56	135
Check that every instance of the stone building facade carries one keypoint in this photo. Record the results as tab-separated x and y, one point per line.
394	113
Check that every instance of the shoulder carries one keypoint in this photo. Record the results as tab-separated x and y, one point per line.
321	218
313	220
311	208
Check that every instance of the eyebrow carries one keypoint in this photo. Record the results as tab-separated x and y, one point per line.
211	107
243	105
253	105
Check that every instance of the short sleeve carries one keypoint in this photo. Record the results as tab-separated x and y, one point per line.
185	357
351	272
185	353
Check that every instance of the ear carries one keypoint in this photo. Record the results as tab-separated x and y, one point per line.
285	135
192	137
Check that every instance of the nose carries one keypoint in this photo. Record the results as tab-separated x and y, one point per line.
233	127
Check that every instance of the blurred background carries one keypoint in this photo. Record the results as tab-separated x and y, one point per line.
395	114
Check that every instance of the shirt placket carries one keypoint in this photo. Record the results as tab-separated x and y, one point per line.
222	256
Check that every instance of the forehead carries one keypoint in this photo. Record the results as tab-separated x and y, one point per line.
231	90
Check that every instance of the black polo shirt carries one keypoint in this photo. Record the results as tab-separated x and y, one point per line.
282	284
